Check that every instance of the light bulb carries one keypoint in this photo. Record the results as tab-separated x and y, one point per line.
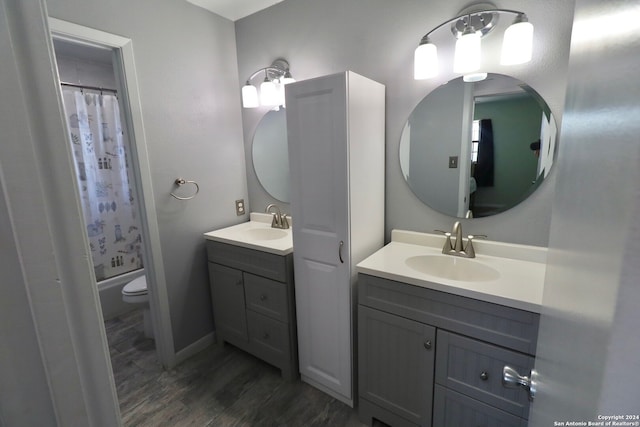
249	96
467	55
268	93
287	79
517	44
425	61
283	82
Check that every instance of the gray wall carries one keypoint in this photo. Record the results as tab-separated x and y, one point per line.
376	38
186	67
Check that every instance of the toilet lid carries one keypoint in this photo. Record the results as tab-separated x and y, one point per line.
137	286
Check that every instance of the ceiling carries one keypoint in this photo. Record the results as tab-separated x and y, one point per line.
234	9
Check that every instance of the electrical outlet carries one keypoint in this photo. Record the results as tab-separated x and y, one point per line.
240	207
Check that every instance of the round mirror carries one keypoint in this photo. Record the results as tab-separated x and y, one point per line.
479	148
271	156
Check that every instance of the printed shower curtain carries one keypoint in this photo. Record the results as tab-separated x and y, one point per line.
105	181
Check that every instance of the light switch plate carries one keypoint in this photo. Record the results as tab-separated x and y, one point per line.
240	207
453	162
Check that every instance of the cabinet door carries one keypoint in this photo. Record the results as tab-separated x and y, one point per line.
318	154
227	295
395	363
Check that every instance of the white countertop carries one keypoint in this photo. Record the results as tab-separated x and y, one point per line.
521	268
240	235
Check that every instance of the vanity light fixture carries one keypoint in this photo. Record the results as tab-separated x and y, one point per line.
469	29
276	76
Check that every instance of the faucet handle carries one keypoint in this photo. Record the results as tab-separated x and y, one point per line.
476	236
285	222
469	249
448	247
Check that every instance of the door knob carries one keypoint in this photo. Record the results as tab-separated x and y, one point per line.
511	379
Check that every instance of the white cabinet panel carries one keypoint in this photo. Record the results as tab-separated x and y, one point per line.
320	142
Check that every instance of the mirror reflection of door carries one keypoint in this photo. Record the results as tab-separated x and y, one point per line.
467	148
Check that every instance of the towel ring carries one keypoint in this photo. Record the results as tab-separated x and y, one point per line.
179	182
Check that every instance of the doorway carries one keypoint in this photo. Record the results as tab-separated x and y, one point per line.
106	51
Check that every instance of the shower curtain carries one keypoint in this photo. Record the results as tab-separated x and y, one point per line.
105	181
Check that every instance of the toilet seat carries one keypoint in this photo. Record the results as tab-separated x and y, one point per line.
136	291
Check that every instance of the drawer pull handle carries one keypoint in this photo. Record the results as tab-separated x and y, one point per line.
427	344
340	251
484	376
511	379
263	297
265	336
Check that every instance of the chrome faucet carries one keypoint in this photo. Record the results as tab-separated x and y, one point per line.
279	219
457	230
457	248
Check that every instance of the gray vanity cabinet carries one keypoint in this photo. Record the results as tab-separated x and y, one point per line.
253	301
429	358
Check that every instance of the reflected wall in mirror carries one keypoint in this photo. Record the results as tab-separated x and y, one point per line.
479	148
270	154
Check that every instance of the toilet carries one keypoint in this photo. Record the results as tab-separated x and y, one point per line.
135	292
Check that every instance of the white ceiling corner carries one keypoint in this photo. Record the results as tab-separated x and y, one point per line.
234	9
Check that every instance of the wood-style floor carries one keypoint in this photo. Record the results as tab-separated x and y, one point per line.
221	386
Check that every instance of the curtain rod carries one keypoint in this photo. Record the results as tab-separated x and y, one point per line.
101	89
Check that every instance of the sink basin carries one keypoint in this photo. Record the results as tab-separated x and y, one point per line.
265	233
453	268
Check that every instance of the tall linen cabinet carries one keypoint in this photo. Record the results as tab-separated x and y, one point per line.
335	128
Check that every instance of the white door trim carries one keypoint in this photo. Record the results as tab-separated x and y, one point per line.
154	270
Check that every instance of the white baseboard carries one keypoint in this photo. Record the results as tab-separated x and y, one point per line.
195	348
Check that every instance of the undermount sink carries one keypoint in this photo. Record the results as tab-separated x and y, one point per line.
265	233
453	268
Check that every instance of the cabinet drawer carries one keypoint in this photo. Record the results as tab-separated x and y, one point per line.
269	338
266	296
454	409
474	368
250	260
505	326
